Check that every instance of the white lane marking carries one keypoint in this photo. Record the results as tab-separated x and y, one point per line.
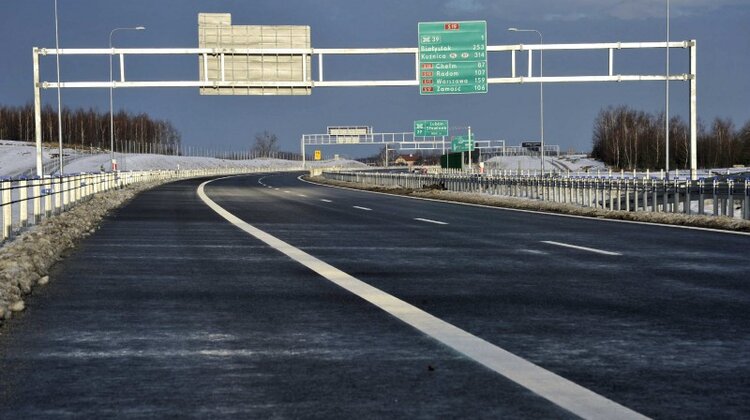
287	191
582	248
325	201
362	208
437	222
566	394
533	251
301	195
277	189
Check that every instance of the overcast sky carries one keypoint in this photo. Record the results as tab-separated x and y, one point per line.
509	112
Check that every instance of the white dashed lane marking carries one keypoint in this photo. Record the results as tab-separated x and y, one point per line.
581	248
362	208
437	222
325	201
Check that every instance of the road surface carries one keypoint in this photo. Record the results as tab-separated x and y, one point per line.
170	310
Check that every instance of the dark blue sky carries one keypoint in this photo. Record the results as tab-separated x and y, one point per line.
507	112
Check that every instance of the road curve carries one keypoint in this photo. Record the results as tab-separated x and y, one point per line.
170	311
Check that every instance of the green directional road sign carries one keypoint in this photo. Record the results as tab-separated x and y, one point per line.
452	57
430	128
462	144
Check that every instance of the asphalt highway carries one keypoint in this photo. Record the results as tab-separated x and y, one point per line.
171	311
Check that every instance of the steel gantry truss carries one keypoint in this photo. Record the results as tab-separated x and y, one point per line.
318	55
404	140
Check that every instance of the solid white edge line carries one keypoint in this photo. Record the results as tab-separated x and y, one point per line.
573	216
582	248
437	222
560	391
362	208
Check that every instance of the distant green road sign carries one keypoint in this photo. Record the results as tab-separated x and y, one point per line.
462	144
430	128
452	57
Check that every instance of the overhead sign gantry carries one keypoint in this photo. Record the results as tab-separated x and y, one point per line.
258	65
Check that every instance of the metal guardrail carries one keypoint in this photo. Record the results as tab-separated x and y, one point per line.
727	197
27	202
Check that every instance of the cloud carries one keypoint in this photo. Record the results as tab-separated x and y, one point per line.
464	6
572	10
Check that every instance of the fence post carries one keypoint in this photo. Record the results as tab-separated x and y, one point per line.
627	195
64	190
23	196
730	198
58	193
7	208
715	198
37	204
48	187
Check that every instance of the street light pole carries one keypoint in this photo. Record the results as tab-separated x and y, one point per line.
541	87
111	106
59	97
666	103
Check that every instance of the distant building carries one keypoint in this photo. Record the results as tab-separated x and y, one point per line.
407	160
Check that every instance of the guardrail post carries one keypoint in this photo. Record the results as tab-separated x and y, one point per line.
77	189
597	194
701	197
627	195
7	208
64	190
90	184
57	185
715	198
730	198
746	200
36	192
23	197
48	190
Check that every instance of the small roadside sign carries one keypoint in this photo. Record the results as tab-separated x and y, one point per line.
462	144
318	155
430	128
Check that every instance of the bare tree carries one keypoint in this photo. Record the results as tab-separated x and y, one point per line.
266	144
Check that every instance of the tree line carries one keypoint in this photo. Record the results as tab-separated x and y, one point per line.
629	139
88	128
